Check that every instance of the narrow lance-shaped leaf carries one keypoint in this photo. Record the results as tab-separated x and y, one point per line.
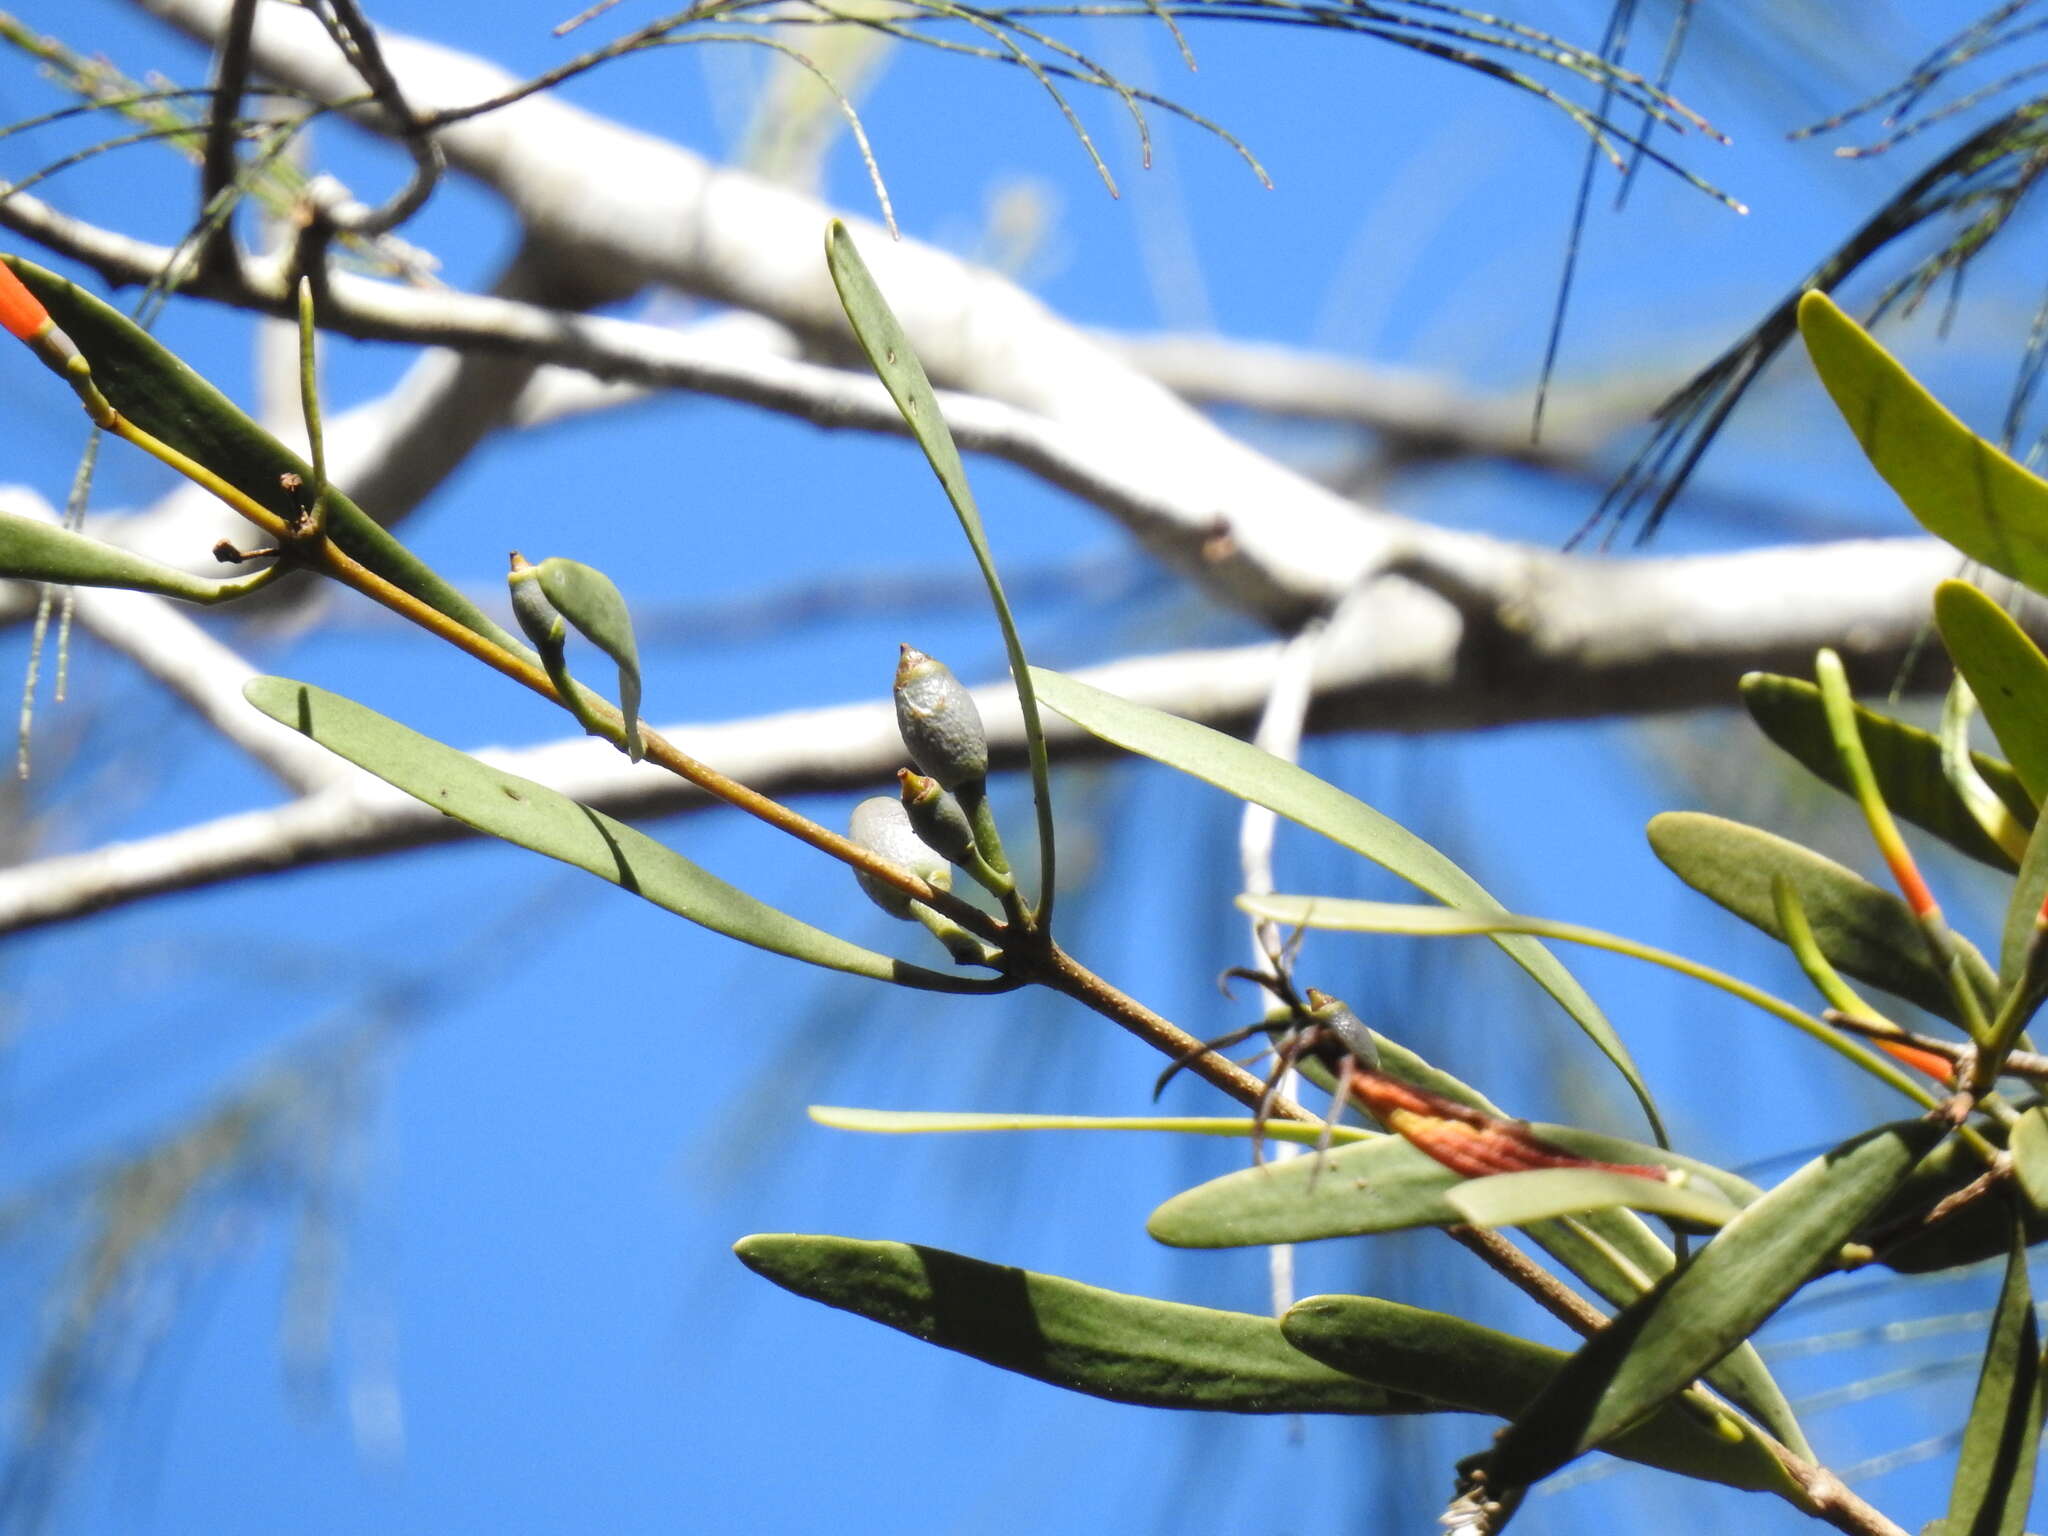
1387	1185
1980	1230
1865	931
1960	487
2030	1155
1128	1349
1972	789
1245	771
1659	1344
2023	907
1995	1472
152	388
2006	671
1516	1199
890	354
1409	1349
1906	760
536	817
925	1122
1347	915
587	599
33	550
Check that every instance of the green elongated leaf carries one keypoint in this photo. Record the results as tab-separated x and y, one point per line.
896	364
1995	1473
1865	932
924	1122
2024	906
1906	760
152	388
1128	1349
2030	1156
1245	771
1674	1333
1476	1368
1387	1185
1959	767
536	817
1980	1230
2006	671
34	550
1516	1199
1961	488
586	597
1384	1184
1345	915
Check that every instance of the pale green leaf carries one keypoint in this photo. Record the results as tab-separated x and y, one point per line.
1960	487
586	597
890	354
1865	931
33	550
536	817
1250	774
2007	673
1346	915
1516	1199
2023	907
899	1122
2030	1155
1386	1185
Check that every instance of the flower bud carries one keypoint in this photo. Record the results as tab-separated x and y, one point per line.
936	817
530	606
938	720
881	825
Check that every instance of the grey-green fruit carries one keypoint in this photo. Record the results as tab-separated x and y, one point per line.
881	825
537	617
936	816
940	725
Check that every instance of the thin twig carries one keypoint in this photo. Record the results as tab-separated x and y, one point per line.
357	39
217	255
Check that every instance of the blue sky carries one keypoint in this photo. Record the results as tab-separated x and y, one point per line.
551	1109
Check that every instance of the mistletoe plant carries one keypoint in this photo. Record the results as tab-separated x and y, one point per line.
1667	1374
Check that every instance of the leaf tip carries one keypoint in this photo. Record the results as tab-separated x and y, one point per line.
1818	312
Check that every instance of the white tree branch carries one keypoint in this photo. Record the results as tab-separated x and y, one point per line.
1566	639
1420	415
1266	564
631	205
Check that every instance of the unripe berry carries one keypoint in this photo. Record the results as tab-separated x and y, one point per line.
936	816
537	617
881	825
940	725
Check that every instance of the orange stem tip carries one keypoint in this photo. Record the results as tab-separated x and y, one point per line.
1906	875
1935	1065
21	312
